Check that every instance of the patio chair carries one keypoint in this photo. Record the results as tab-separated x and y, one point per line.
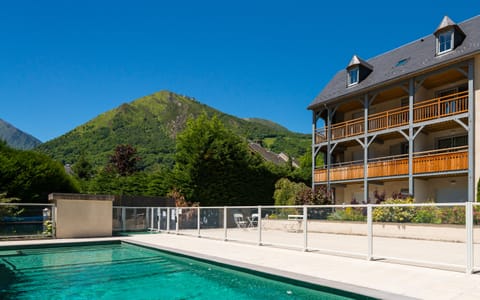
253	220
238	218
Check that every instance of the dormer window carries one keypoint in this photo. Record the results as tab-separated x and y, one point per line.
448	35
445	42
357	70
353	76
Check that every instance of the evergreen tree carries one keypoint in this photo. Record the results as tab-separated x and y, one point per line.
214	167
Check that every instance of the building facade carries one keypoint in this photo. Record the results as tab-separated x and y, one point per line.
403	122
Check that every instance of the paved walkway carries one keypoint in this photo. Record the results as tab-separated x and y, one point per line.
374	278
439	254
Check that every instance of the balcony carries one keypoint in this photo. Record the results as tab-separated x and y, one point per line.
422	111
441	160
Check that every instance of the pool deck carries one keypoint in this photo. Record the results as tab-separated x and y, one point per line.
374	278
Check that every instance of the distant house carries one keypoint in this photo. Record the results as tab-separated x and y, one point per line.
404	121
68	169
277	159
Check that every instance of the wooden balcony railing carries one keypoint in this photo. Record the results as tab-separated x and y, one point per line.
441	160
422	111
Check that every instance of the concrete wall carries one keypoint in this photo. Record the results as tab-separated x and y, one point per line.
79	215
350	191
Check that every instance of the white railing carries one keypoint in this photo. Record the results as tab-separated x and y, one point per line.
27	220
442	235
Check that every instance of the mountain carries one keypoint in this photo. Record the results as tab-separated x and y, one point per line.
16	138
151	124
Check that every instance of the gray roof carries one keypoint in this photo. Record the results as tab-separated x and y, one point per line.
278	159
420	56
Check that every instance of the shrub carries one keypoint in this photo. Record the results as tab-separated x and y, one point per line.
453	215
348	214
400	214
427	214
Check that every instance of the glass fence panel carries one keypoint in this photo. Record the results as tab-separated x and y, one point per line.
135	219
20	220
336	229
430	234
163	220
117	222
188	220
211	222
242	224
282	226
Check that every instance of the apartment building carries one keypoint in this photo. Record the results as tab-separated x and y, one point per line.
403	122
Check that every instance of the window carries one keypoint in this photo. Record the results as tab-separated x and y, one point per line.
402	62
353	76
450	142
447	106
399	149
445	42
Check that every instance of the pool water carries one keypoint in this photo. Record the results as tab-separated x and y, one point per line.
125	271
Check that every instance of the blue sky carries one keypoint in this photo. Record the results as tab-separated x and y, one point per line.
64	62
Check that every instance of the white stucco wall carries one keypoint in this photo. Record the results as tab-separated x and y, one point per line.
444	189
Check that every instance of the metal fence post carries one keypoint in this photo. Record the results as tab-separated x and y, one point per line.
369	232
177	223
153	219
305	228
198	221
469	238
225	223
54	225
168	219
159	215
259	225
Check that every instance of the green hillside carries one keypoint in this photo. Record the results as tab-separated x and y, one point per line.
152	123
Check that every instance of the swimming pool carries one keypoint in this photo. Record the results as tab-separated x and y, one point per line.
125	271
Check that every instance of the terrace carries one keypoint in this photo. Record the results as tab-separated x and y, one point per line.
439	160
436	108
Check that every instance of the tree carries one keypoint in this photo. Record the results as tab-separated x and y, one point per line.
31	176
319	196
82	167
286	191
214	167
8	210
124	160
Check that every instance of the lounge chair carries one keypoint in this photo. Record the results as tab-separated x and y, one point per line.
238	218
253	220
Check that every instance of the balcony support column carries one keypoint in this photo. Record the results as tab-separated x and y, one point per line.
329	146
365	145
411	96
315	117
471	133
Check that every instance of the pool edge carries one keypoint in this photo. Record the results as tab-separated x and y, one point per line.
295	278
